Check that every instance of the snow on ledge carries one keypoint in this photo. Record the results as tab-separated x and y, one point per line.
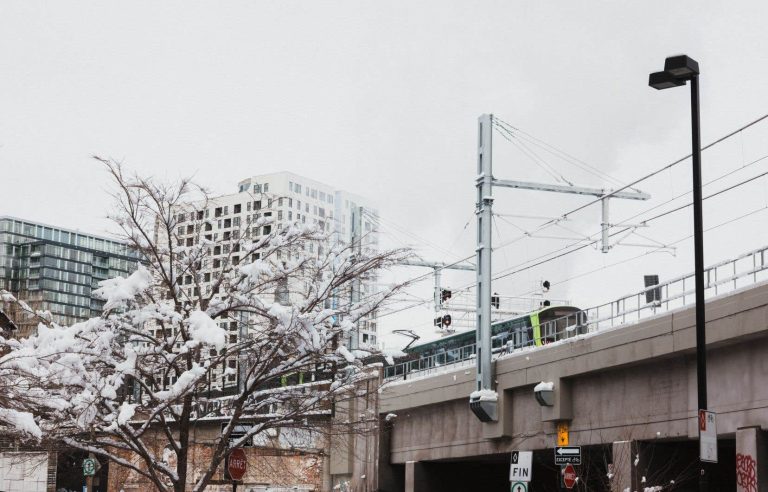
484	395
544	386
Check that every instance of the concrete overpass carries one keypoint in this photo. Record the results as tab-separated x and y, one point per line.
628	395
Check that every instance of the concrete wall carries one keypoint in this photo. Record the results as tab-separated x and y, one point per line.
636	382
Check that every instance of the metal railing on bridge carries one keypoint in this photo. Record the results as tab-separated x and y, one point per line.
719	279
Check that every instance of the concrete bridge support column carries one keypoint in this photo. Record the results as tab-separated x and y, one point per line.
751	459
415	477
623	466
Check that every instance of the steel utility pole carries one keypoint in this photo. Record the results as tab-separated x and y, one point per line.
486	409
677	71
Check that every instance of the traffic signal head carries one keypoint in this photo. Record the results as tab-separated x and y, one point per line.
447	320
445	294
545	286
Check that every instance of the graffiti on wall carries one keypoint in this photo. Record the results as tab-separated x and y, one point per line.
746	473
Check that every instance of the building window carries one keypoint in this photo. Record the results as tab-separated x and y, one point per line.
279	215
238	208
290	185
314	193
257	188
248	206
297	188
290	214
266	187
257	205
322	196
217	212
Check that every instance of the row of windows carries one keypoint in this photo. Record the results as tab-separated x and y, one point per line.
311	192
81	290
62	236
67	298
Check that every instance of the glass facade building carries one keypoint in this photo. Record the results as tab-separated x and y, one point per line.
57	270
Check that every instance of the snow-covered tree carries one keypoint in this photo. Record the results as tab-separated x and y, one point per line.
163	351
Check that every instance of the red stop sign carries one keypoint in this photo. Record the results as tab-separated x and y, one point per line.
569	476
236	464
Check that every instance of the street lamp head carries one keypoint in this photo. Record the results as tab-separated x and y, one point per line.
664	80
681	66
677	70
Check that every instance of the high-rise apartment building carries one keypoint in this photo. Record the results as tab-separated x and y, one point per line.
57	270
346	217
286	198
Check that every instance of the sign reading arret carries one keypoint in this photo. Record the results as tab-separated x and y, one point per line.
520	469
236	464
569	476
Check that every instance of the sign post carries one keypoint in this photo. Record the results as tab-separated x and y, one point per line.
707	436
236	466
520	467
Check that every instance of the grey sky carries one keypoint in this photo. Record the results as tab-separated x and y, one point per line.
380	98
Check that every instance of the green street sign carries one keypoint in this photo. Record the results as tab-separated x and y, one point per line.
89	467
519	487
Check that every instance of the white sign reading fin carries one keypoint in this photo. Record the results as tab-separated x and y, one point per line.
520	467
707	436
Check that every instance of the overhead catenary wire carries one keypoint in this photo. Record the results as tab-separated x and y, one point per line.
561	154
588	241
630	185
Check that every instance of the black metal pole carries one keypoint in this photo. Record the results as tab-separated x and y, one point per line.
698	240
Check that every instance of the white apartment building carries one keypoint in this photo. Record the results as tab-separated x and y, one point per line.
284	198
345	216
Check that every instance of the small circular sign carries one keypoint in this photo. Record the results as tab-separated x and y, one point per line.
89	467
519	487
236	464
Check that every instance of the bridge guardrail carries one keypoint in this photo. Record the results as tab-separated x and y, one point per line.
720	278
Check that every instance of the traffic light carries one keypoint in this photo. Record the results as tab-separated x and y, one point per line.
545	286
445	294
495	300
439	322
447	320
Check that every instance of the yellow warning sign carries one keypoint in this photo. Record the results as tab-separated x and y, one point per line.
562	433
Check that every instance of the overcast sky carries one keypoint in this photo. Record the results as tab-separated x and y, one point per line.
382	98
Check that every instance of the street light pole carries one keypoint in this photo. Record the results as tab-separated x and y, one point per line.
677	71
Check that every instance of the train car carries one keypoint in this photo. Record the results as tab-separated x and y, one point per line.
533	329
